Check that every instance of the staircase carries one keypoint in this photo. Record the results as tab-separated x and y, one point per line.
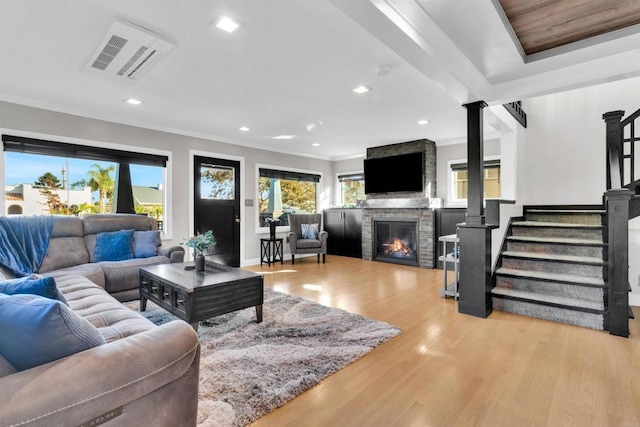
622	204
570	264
551	266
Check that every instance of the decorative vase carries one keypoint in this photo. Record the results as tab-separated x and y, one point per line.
199	262
272	230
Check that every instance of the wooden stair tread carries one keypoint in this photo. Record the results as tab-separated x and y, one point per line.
555	225
555	257
552	299
558	240
552	277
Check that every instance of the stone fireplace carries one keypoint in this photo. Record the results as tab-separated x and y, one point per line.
423	219
408	215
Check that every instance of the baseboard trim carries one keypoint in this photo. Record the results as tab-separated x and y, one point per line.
634	300
286	257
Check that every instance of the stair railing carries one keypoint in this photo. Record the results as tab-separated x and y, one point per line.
621	206
621	152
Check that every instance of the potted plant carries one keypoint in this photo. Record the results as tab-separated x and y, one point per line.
200	243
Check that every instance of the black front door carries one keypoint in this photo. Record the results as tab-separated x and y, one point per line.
217	206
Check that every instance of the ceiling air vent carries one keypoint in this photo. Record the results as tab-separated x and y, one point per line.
126	51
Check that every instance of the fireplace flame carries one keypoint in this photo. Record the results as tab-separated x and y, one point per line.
397	248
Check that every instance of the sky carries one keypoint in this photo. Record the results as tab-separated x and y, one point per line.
26	168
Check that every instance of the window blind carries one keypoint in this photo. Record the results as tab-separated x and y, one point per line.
354	177
62	149
488	164
295	176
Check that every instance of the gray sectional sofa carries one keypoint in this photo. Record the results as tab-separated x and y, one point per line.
142	375
72	251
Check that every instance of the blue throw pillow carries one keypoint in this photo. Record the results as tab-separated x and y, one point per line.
309	231
145	243
36	330
35	285
114	245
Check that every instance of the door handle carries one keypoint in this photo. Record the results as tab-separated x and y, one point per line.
237	219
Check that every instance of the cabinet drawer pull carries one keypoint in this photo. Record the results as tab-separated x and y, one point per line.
165	294
180	301
154	288
144	283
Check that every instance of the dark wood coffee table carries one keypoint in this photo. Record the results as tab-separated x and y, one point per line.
193	296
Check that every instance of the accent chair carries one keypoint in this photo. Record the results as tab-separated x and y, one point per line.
305	236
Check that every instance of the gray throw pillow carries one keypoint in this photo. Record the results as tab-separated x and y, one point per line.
145	243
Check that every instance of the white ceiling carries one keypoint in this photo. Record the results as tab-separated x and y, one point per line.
293	63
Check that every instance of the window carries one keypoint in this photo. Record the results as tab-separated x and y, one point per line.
459	180
351	188
283	192
70	179
217	182
14	210
147	183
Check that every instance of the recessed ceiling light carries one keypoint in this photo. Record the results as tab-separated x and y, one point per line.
134	101
315	144
423	122
284	137
227	24
245	129
361	89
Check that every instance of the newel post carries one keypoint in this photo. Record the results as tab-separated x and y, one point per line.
614	148
618	259
475	236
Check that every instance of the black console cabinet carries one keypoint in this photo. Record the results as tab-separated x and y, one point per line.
345	232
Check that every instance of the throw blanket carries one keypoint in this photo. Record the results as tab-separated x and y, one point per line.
23	242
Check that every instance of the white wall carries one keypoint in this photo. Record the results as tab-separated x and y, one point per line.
28	119
565	142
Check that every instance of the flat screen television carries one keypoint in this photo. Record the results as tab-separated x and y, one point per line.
402	173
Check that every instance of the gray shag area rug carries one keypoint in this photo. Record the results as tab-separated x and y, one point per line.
247	370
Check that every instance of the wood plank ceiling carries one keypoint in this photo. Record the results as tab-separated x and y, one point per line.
545	24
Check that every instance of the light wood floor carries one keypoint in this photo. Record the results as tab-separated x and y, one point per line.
449	369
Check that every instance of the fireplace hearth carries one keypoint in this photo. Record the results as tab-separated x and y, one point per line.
396	241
